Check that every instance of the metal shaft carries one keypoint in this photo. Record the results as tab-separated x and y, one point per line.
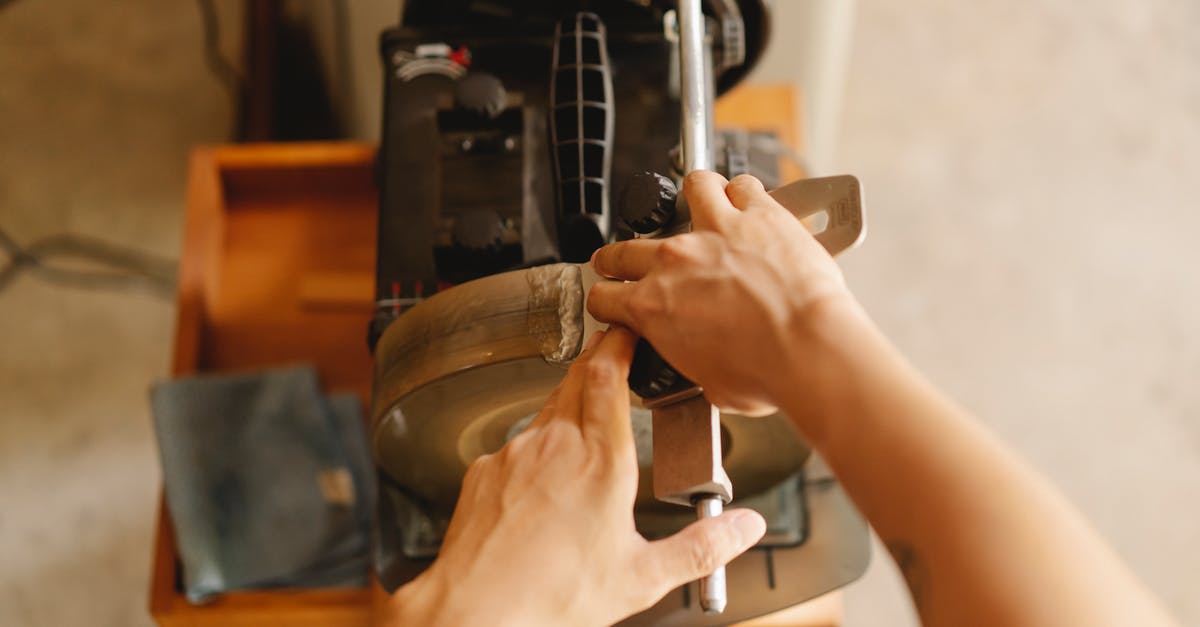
712	587
696	100
696	90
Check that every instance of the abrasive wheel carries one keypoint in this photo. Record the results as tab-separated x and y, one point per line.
462	372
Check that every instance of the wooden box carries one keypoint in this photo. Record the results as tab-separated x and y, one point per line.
278	266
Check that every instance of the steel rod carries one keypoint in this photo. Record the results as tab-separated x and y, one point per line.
696	97
696	92
712	588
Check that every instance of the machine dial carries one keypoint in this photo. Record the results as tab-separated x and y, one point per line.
481	93
647	203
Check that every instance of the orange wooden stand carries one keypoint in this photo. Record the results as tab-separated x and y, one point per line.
278	266
262	221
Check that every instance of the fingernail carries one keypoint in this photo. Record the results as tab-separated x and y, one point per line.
749	524
594	340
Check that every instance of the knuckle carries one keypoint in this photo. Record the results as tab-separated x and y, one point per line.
745	182
478	466
514	449
522	438
557	431
695	177
703	555
679	249
552	438
520	442
557	439
600	373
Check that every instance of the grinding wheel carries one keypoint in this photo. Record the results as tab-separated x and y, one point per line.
461	373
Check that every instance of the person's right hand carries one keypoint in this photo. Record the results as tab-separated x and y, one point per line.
737	305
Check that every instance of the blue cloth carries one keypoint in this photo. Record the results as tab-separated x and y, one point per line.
269	483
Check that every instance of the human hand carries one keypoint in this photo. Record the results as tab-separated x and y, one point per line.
543	533
736	304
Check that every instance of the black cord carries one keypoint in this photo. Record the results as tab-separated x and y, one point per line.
120	268
220	66
341	21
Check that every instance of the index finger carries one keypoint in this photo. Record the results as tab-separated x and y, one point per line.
564	402
606	391
629	260
706	199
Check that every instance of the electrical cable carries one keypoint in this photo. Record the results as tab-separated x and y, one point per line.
119	267
225	71
342	52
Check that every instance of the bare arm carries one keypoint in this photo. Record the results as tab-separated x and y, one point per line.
981	538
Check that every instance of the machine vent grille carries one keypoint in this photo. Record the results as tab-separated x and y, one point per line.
581	129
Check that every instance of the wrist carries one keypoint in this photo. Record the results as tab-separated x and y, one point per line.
831	340
418	602
432	600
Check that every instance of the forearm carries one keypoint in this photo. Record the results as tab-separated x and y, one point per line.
980	538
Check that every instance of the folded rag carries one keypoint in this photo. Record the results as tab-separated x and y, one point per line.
269	482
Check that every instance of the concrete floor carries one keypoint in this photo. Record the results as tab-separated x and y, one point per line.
1032	212
98	106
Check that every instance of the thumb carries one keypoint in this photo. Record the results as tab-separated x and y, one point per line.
705	546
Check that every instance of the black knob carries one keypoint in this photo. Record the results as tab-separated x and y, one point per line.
481	93
479	229
648	202
650	376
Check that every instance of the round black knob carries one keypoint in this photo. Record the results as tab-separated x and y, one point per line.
481	93
650	376
479	229
647	203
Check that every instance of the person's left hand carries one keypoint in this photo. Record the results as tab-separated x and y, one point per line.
543	533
